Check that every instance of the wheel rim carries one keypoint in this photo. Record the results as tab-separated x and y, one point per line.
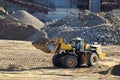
71	61
94	59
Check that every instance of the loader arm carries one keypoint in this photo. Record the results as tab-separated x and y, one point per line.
59	44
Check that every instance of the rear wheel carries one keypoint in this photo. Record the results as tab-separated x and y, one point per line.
56	60
70	61
92	60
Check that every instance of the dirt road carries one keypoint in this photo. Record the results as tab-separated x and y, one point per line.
19	60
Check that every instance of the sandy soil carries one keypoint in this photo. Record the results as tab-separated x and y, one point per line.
19	60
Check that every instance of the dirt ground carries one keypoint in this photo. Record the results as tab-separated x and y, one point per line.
19	60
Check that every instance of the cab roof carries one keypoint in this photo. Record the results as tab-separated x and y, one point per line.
77	38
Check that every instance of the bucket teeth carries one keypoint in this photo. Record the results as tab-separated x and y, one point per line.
42	44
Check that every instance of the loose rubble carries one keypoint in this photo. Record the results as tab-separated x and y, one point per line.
103	28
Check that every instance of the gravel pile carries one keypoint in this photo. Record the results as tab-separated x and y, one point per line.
117	12
28	19
112	18
103	28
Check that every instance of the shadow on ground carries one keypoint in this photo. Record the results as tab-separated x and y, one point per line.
27	69
13	71
115	70
12	68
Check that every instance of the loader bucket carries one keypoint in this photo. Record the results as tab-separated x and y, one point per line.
42	44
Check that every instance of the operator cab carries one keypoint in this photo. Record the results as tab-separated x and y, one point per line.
78	44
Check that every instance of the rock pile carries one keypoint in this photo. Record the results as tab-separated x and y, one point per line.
103	28
112	18
117	12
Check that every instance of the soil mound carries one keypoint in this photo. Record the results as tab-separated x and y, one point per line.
28	19
36	36
14	30
20	26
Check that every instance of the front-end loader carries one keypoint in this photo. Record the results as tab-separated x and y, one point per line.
71	55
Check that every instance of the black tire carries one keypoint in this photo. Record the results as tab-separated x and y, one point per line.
92	59
56	60
79	57
78	64
70	61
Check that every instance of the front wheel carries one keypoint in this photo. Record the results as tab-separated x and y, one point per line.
92	60
56	60
70	61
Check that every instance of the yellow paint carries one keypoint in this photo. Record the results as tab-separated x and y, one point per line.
65	46
101	55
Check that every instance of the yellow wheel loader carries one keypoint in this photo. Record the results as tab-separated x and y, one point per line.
71	55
